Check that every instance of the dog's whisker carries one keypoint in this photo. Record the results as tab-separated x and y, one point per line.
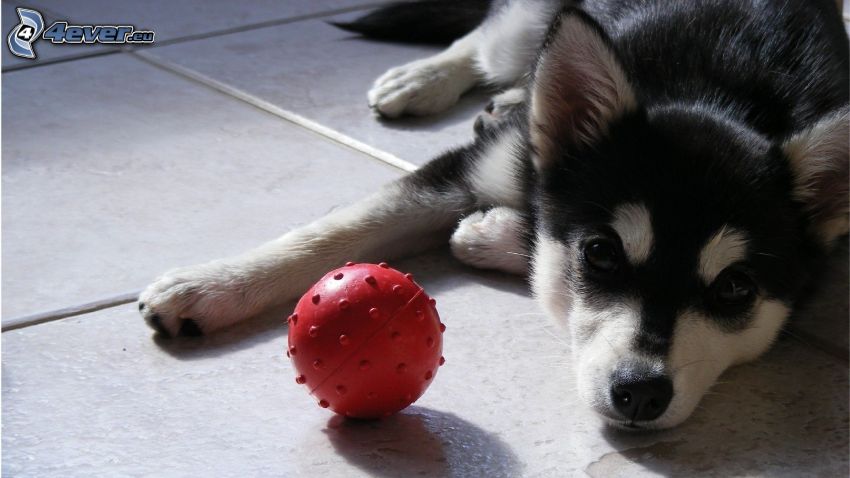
618	353
767	254
559	339
796	337
679	368
600	206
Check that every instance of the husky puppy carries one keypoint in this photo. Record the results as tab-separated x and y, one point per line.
674	169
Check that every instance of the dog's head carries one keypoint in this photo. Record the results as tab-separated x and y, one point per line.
672	240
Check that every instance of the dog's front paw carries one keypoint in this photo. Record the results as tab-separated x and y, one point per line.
420	88
491	240
192	301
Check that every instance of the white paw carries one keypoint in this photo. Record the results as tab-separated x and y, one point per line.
491	240
419	88
193	300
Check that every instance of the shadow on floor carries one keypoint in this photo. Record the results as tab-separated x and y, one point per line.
436	271
246	335
422	442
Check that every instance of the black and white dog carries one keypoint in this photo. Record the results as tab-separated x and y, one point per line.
673	170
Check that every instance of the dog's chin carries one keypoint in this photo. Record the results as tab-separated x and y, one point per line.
631	426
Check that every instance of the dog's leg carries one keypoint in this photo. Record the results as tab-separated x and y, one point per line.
499	52
493	240
411	214
511	38
427	86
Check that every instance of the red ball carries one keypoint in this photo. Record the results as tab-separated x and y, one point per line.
365	340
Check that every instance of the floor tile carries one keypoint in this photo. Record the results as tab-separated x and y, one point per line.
322	73
170	20
96	395
121	170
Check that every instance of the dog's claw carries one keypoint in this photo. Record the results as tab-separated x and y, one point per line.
189	328
155	322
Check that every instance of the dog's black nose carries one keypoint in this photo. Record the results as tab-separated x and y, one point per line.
640	396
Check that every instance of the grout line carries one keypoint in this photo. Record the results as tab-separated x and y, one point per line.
196	36
63	59
825	346
271	108
52	315
269	23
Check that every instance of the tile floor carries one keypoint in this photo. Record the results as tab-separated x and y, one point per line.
128	163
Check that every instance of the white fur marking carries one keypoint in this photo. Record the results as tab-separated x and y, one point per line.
725	248
548	277
508	98
495	177
601	340
701	351
632	222
511	40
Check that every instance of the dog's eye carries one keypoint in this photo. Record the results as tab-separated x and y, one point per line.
733	287
602	255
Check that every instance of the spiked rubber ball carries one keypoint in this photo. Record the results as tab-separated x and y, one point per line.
366	340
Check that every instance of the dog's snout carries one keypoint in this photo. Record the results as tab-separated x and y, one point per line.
640	396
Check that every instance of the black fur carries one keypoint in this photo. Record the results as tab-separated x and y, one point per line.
429	21
720	86
775	65
670	161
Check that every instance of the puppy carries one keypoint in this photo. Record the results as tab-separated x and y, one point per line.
674	169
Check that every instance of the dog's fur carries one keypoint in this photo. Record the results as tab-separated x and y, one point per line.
674	169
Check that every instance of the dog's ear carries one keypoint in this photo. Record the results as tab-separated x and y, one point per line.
579	87
820	163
